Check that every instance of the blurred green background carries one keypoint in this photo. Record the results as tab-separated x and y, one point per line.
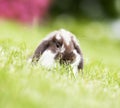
96	9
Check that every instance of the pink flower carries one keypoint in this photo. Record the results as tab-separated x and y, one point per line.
24	10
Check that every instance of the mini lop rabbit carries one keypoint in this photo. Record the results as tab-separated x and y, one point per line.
60	45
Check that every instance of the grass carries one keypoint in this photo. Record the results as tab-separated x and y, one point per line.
26	86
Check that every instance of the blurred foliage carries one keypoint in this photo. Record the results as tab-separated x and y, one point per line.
87	8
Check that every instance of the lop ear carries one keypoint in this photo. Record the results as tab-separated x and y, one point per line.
76	44
43	46
39	51
77	48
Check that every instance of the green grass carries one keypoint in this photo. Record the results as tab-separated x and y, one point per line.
26	86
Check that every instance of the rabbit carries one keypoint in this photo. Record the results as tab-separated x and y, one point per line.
62	46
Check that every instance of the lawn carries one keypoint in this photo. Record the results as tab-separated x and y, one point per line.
25	86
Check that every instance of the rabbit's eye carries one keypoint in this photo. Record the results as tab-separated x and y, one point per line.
58	44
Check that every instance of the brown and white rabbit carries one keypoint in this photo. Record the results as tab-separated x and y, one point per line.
60	45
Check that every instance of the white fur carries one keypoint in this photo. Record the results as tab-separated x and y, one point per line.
76	62
47	59
66	36
58	37
62	49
